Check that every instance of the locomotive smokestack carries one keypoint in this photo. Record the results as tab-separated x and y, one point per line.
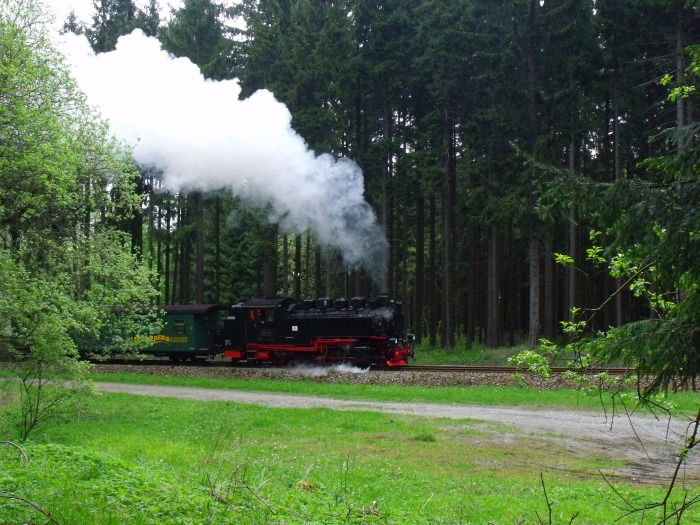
202	136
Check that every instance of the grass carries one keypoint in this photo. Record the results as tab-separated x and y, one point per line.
133	460
686	403
138	460
477	354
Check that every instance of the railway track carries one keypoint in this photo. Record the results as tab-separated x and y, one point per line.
409	368
497	369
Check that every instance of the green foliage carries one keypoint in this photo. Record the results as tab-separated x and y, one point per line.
114	18
196	31
64	271
120	492
687	88
532	362
35	334
651	247
303	52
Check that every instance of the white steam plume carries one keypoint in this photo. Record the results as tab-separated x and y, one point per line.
203	137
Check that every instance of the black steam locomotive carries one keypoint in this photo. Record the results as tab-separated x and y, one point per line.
286	331
320	331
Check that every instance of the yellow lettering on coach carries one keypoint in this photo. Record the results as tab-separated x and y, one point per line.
160	339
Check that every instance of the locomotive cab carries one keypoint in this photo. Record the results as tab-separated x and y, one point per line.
250	329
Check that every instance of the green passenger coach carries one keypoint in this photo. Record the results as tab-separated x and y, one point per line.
188	332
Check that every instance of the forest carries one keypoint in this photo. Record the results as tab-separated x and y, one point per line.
529	163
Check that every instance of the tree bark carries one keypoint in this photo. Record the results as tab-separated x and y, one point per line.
168	244
217	249
185	251
449	234
270	263
432	273
535	279
493	314
285	265
199	258
549	276
297	267
419	293
573	246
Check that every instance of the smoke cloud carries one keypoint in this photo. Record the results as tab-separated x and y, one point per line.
202	136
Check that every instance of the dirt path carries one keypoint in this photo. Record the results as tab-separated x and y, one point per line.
649	445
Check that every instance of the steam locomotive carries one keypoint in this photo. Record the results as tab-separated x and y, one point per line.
286	331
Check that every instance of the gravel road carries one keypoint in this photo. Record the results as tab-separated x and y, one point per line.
648	444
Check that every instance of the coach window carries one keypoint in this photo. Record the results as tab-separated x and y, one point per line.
269	315
179	326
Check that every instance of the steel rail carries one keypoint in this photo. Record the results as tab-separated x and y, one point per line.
500	369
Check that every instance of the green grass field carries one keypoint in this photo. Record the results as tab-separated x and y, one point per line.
131	460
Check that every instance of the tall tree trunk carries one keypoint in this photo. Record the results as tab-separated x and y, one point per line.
308	265
297	267
217	249
571	270
168	244
136	223
548	317
174	293
387	212
185	252
419	298
471	309
151	220
199	257
159	253
535	273
449	233
285	265
493	314
432	293
317	272
573	247
617	168
270	263
535	280
680	73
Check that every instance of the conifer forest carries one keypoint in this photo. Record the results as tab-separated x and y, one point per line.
531	166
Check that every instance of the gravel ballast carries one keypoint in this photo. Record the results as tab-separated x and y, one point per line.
342	374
